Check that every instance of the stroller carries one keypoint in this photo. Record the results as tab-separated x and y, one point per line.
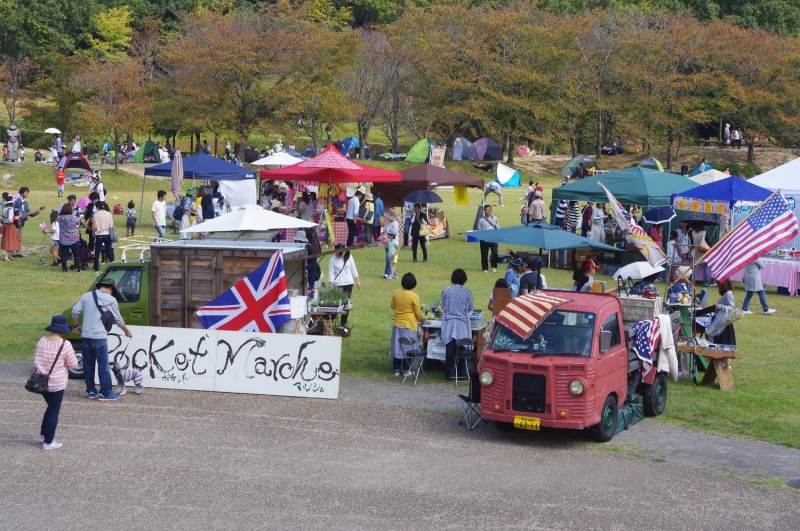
85	257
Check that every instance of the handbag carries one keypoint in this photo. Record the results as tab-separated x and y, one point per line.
368	217
106	317
703	247
37	383
423	228
112	234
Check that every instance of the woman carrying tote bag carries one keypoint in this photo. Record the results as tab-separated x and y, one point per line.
53	356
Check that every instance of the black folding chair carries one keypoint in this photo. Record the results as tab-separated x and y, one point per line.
471	405
415	357
465	351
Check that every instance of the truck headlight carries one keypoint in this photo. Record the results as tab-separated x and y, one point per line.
576	387
486	378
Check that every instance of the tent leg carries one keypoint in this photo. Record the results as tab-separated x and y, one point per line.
141	200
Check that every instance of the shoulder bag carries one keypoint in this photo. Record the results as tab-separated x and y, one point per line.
37	383
106	317
112	234
423	227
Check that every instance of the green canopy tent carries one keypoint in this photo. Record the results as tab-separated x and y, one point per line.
632	186
420	151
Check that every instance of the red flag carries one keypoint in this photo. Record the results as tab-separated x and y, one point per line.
770	225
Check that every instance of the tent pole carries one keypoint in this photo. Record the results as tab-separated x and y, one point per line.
141	200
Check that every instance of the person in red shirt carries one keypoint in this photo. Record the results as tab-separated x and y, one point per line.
60	178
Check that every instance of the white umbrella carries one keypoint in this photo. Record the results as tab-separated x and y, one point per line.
250	218
52	130
278	159
637	271
176	175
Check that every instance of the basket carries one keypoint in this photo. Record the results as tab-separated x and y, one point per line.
330	309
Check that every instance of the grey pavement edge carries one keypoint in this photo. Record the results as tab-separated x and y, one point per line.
650	439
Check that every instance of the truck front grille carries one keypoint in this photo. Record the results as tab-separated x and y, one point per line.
528	394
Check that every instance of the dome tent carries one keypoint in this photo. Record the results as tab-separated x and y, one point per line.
147	152
421	151
488	149
507	176
569	167
463	149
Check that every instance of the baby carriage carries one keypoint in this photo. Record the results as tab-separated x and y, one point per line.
84	255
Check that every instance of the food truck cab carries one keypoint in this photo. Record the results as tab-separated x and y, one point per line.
573	370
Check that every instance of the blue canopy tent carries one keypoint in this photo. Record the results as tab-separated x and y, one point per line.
728	190
235	181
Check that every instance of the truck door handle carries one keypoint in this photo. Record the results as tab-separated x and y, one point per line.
137	311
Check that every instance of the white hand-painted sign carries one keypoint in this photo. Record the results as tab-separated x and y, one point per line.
230	362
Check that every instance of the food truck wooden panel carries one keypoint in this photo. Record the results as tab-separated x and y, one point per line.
186	275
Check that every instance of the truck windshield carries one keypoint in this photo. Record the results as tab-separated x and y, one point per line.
563	333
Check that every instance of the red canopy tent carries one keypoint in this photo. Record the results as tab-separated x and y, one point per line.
330	166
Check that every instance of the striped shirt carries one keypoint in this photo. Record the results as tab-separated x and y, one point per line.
572	216
43	358
68	230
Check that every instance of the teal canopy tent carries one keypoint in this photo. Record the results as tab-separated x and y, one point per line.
541	235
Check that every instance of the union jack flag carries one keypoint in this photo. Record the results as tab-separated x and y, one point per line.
648	336
634	234
257	303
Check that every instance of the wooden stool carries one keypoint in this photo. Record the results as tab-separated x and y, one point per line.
718	368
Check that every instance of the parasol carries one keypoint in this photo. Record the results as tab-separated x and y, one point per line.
423	196
176	175
700	217
52	130
637	271
659	215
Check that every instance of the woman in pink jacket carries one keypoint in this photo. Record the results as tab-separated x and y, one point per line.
54	355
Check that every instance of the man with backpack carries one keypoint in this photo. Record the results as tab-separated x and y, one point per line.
100	311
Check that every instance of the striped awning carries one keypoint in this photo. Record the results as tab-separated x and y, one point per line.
526	312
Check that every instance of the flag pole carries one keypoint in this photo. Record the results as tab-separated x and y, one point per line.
742	221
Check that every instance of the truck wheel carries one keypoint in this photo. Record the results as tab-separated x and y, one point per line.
605	429
77	372
654	398
503	426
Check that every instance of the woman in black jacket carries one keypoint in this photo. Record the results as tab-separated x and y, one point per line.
418	221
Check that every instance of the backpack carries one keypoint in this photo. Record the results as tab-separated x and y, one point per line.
178	213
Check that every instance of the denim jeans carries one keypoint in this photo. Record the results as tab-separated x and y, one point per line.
706	274
388	270
102	244
160	231
50	419
762	296
96	351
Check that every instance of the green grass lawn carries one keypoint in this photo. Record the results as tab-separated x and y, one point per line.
764	405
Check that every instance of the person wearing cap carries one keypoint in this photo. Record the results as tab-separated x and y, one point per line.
368	208
54	356
393	226
313	272
488	222
352	215
584	276
512	275
536	207
97	186
94	338
187	203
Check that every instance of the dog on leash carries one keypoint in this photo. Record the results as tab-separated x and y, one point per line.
127	375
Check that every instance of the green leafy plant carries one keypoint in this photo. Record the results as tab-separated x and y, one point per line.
331	296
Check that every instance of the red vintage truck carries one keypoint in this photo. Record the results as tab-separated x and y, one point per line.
574	370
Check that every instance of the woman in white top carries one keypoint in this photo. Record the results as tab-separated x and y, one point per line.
391	224
54	236
103	222
342	272
598	233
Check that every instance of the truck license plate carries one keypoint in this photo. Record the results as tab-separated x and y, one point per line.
526	423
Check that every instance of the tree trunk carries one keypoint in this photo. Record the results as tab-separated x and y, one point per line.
215	145
719	130
599	144
751	155
573	146
669	155
678	149
116	150
510	157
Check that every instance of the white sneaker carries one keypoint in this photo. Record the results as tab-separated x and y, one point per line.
494	270
747	312
397	373
52	446
770	311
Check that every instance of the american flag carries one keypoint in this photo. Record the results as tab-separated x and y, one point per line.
634	234
770	225
257	303
648	335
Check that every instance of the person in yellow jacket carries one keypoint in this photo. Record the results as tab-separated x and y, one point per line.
407	315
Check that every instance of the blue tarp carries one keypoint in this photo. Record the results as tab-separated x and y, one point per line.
730	190
204	167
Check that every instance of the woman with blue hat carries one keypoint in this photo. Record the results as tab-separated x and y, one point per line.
53	356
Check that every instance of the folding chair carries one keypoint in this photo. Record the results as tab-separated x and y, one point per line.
414	356
465	351
471	406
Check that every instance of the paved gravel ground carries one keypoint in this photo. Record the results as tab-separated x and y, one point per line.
192	460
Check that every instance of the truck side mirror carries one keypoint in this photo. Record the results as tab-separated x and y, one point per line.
605	341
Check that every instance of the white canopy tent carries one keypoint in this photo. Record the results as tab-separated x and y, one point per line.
250	218
787	178
278	159
709	176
